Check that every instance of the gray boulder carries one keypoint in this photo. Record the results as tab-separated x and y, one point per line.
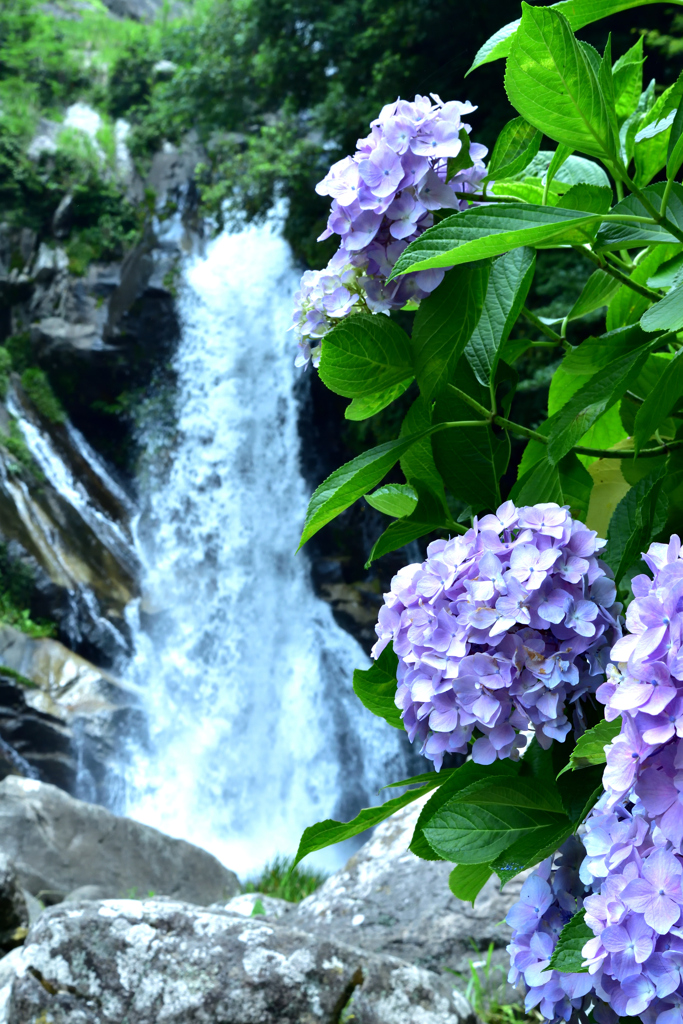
142	962
58	843
389	901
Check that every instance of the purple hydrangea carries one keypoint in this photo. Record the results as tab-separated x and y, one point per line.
635	908
383	197
501	630
548	900
645	683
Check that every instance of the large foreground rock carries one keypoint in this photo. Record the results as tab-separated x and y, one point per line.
58	843
389	901
151	961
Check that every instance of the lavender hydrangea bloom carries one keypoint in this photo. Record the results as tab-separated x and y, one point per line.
548	900
634	911
383	197
645	685
500	630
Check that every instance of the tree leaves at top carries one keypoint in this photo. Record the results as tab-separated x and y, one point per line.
578	13
551	81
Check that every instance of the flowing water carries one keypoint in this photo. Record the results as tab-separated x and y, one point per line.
254	731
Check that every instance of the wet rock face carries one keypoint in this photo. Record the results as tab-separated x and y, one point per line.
34	744
58	843
101	963
13	910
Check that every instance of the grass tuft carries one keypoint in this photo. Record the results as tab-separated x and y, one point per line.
278	879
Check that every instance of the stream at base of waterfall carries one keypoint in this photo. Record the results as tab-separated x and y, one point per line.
246	680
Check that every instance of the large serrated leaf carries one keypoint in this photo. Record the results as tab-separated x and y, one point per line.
395	500
551	81
428	515
484	231
329	832
508	286
444	324
370	405
365	354
478	824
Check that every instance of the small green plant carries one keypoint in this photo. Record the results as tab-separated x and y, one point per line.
16	445
486	988
37	387
16	586
279	879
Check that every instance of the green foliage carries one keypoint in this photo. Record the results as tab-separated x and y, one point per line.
376	687
567	956
37	387
16	586
282	879
590	748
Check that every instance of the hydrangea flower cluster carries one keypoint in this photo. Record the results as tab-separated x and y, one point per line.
548	900
633	867
500	629
383	197
645	685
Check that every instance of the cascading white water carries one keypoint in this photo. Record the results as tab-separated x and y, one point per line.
245	677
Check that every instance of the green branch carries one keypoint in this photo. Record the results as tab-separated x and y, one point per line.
641	289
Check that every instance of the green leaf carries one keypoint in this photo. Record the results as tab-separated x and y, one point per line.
580	792
471	460
660	402
327	833
393	500
628	306
639	516
483	231
588	198
578	13
651	151
583	362
458	780
515	148
588	404
463	160
567	956
675	151
352	481
444	324
540	483
613	236
418	462
529	190
365	354
429	515
439	777
369	405
560	157
665	315
590	748
628	80
629	129
550	80
478	824
597	292
577	484
467	880
375	687
530	849
508	286
576	169
668	273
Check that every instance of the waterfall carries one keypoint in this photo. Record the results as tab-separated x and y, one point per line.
254	730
